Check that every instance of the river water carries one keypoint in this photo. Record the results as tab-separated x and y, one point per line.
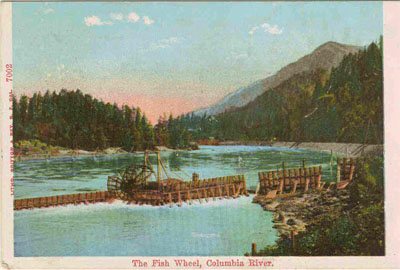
217	228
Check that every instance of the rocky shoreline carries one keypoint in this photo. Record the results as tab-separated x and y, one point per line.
295	212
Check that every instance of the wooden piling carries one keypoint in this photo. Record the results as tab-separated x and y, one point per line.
292	234
338	171
307	182
253	249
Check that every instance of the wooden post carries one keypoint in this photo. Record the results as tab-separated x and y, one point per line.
319	176
189	196
315	177
270	179
179	198
307	176
227	191
212	192
205	194
159	172
253	249
301	177
198	195
292	233
286	181
170	199
351	170
281	183
220	191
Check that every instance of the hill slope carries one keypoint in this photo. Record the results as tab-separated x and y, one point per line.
326	56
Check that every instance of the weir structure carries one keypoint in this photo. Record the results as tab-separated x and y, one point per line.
279	184
49	201
289	181
134	186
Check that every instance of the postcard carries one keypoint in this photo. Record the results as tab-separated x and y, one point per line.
200	135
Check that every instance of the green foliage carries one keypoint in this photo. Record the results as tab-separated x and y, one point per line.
71	119
356	230
343	105
35	147
172	132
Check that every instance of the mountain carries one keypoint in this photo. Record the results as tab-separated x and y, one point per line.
326	56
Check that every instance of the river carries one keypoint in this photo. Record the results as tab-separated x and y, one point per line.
217	228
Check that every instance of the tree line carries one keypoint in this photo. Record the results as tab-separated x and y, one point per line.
73	120
344	104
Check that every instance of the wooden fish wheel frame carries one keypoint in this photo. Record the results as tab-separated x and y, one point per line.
125	184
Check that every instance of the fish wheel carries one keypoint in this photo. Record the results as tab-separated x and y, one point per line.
125	184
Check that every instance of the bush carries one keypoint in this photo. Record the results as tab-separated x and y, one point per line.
357	230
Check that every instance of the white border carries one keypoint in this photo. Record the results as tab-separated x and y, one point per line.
392	158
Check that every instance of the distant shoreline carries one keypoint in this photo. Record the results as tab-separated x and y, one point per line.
350	149
84	153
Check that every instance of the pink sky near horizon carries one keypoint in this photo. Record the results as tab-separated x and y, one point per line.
153	103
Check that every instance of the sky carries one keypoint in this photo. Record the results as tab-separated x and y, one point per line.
169	57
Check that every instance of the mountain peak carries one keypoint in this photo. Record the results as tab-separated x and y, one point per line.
326	56
332	45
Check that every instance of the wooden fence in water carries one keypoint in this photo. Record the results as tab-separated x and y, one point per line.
346	171
289	180
91	197
226	186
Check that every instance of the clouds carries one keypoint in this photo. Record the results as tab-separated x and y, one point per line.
94	20
271	29
147	20
131	17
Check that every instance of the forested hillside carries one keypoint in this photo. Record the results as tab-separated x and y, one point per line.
72	119
344	104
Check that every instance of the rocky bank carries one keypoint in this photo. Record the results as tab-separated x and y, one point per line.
297	211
